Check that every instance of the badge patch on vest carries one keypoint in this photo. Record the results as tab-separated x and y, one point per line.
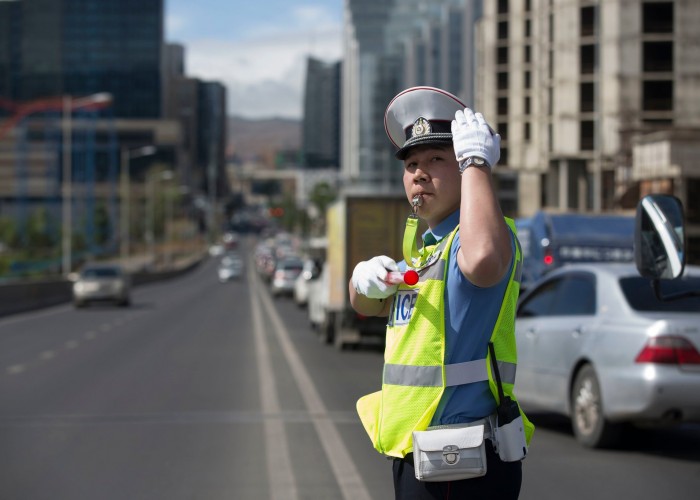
402	310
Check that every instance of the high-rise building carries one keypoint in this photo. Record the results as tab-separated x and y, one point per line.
81	47
390	46
596	101
321	121
56	58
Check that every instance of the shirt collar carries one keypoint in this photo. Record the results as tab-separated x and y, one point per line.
432	236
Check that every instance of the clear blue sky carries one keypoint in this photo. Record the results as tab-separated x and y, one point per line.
257	48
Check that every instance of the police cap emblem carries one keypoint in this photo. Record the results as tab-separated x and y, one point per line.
421	127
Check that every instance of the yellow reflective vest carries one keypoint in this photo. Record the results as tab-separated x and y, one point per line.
415	375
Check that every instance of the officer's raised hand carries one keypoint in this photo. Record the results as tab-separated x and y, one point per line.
474	141
369	275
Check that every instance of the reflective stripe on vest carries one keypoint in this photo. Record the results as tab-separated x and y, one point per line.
467	372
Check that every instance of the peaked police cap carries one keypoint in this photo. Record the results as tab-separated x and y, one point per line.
420	115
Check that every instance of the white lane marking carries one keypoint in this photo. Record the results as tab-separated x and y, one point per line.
15	369
90	335
279	465
105	327
46	355
72	344
351	484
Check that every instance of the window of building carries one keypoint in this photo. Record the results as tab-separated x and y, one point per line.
657	17
502	80
658	123
526	105
586	135
528	7
587	59
503	130
503	30
587	97
527	53
528	28
550	62
502	55
657	57
550	25
502	105
526	131
504	157
588	21
502	6
527	79
657	95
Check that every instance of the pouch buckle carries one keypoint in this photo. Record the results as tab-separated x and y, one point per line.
450	454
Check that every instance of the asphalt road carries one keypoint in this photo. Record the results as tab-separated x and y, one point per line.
203	390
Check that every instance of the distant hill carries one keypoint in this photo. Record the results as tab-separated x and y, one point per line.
250	139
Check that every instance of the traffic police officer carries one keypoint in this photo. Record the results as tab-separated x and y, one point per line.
469	267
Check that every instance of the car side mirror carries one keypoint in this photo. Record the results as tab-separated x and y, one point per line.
659	237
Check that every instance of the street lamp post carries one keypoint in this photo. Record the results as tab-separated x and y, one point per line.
69	104
125	184
66	186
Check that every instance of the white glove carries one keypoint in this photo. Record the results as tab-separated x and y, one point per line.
472	136
369	275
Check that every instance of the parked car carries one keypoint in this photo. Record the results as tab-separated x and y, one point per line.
596	343
286	271
230	267
102	283
303	282
318	305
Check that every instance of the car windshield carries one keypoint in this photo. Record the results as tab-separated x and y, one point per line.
611	228
291	266
101	272
640	294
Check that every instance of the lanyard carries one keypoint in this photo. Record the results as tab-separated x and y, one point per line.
410	248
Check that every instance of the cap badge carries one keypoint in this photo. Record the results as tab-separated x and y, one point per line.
421	127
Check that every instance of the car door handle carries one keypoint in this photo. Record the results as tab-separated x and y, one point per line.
531	333
578	331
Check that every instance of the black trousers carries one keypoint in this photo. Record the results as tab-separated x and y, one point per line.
501	482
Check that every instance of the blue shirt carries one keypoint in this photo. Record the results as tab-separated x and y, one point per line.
470	316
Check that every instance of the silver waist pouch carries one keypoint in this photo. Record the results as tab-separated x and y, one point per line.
450	453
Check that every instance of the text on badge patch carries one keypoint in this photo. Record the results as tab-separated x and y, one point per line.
402	310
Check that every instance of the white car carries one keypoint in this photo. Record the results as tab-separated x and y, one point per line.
309	273
230	267
596	344
318	304
102	283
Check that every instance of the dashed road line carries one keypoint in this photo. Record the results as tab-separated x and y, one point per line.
15	369
69	345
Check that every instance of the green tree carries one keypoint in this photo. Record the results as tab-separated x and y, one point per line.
9	236
41	239
322	195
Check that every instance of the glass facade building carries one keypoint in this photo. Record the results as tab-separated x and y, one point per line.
82	47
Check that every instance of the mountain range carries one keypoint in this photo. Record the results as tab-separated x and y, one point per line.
261	139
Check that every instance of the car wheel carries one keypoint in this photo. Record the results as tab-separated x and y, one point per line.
79	304
588	421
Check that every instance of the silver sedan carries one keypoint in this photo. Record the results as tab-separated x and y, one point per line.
595	344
